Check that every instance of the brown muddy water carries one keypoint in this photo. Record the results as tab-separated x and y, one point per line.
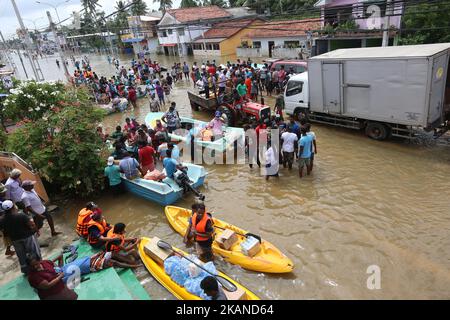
366	203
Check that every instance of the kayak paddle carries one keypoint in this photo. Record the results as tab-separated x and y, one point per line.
229	286
248	234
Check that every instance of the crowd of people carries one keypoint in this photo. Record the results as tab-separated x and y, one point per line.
297	141
143	78
22	216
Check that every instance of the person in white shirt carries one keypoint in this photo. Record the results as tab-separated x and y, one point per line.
34	206
289	147
13	184
271	157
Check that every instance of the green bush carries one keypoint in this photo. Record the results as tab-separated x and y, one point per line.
3	140
63	144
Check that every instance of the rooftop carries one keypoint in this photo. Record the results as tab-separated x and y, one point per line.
198	13
284	28
227	29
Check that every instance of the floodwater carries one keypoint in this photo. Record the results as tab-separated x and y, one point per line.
366	204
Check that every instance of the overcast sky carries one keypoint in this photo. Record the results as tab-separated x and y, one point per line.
31	10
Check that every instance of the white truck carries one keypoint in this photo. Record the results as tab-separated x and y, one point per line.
386	91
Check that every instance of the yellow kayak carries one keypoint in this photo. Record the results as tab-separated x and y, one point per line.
157	271
268	260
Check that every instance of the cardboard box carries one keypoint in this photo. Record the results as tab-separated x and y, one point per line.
250	247
156	253
227	239
239	294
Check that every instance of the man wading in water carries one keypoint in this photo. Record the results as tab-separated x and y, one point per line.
202	230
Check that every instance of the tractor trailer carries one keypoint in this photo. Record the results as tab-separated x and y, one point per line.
385	91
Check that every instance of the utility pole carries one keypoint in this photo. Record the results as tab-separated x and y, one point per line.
27	39
58	46
8	57
387	17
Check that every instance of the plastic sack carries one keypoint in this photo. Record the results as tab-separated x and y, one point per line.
210	267
192	285
194	271
155	175
170	264
180	275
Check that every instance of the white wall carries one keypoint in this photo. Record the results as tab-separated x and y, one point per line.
215	53
153	45
278	42
189	34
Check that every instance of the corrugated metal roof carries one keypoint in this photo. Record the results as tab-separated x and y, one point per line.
422	50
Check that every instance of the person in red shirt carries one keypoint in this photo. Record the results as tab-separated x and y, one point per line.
212	70
48	283
132	96
146	157
261	135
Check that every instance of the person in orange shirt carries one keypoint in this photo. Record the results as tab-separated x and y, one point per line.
248	84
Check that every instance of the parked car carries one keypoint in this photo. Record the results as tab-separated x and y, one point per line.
298	66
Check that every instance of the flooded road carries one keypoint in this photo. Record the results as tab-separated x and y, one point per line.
366	203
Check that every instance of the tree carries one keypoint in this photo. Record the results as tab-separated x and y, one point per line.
164	4
188	3
63	144
428	21
90	7
139	8
219	3
120	21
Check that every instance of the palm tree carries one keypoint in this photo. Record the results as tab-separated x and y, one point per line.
188	3
139	8
164	4
219	3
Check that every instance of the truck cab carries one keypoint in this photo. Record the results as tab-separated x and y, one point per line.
296	95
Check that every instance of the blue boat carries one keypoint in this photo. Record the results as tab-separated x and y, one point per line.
168	191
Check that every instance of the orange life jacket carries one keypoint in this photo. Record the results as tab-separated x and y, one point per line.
84	216
102	226
112	247
200	226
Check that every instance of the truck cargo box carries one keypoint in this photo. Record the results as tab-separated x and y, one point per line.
402	84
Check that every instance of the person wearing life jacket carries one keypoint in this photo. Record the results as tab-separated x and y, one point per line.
84	216
98	230
122	249
203	233
188	236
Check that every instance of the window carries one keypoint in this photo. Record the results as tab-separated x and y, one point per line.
180	31
299	69
163	34
197	46
170	31
216	46
293	88
256	44
208	46
292	44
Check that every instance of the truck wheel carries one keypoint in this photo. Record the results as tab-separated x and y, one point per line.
229	114
299	111
377	131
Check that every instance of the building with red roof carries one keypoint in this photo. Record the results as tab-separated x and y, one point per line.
178	28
